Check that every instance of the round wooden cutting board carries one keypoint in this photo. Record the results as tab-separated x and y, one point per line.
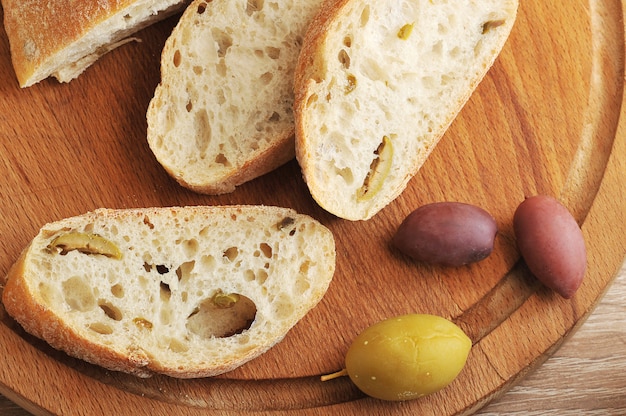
545	120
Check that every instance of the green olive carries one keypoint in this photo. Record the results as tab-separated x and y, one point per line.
87	243
408	356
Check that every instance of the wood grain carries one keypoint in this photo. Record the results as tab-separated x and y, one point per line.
546	119
586	376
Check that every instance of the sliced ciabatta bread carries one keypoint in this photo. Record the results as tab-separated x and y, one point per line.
378	83
186	292
223	112
62	38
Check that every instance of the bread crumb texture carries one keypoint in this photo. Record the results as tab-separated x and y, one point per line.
226	93
192	291
382	81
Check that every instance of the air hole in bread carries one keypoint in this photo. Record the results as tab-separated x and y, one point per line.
222	320
220	97
165	291
101	328
347	41
146	221
261	275
302	283
283	307
143	282
312	99
162	269
254	6
374	71
189	106
248	274
166	314
273	53
231	253
177	59
224	41
110	310
142	323
201	8
344	58
478	47
274	118
266	249
222	160
191	247
178	346
429	82
492	24
202	127
350	83
183	272
365	16
221	68
266	78
437	48
198	70
78	295
117	291
346	174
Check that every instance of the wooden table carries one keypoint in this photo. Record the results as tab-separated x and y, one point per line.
586	376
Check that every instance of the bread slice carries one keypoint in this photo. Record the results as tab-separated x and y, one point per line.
62	38
378	83
223	112
187	292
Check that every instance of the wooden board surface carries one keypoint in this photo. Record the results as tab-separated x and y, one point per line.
544	120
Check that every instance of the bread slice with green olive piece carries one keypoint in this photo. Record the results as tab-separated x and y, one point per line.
378	83
184	291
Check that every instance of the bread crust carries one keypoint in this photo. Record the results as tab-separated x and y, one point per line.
45	36
38	320
31	306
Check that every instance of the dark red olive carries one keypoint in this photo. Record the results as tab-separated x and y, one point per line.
551	242
447	233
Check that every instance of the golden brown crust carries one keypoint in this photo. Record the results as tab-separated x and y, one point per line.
20	303
62	38
39	29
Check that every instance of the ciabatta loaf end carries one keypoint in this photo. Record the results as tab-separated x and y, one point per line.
378	83
61	38
187	292
223	112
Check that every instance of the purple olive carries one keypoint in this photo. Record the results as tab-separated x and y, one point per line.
551	242
447	233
